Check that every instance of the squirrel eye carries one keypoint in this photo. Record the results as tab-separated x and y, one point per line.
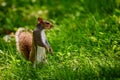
47	23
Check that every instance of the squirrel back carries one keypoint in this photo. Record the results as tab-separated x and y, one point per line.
24	42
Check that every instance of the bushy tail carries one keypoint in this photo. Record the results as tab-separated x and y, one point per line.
17	34
24	42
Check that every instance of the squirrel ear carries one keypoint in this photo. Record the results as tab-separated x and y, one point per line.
40	20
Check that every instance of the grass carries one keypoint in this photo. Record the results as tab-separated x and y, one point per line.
85	40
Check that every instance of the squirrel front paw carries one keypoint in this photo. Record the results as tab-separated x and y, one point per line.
51	50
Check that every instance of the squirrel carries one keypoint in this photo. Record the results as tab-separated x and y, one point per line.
32	44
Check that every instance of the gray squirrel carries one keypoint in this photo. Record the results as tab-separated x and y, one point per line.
32	44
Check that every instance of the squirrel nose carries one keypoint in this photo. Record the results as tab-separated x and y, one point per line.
51	26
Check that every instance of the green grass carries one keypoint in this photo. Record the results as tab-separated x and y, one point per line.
85	40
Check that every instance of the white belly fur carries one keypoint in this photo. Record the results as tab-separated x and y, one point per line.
43	36
40	54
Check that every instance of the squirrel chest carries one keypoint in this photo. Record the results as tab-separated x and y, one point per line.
39	37
41	56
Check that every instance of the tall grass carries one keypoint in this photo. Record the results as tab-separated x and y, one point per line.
85	40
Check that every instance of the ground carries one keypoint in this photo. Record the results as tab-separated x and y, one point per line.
85	39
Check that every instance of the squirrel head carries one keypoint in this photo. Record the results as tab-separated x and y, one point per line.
44	24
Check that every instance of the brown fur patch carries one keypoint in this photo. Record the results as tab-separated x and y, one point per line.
24	43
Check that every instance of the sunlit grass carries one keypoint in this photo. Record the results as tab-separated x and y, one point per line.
86	43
